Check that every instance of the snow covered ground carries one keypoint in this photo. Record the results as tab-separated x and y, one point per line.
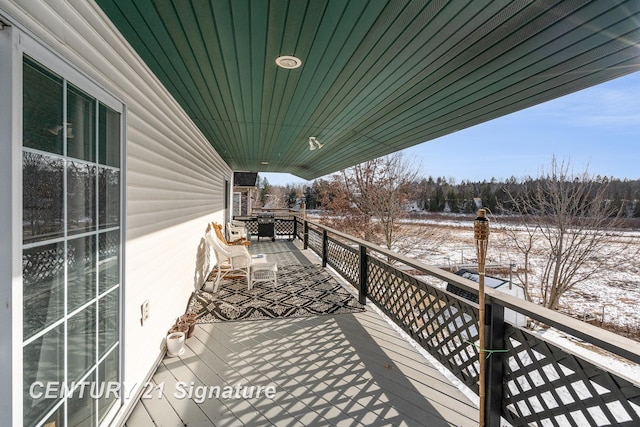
616	294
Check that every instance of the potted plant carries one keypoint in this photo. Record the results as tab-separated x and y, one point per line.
175	343
188	319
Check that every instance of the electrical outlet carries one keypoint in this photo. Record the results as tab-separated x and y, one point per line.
144	309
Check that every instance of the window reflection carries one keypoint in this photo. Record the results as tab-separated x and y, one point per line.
109	137
43	362
81	118
82	407
109	260
109	312
109	204
108	373
42	197
69	187
81	199
43	287
81	258
56	419
42	109
81	348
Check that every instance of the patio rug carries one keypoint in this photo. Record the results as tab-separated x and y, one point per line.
302	290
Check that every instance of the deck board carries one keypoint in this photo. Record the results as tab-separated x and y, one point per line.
161	411
139	417
347	369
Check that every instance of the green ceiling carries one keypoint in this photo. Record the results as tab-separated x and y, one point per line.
377	76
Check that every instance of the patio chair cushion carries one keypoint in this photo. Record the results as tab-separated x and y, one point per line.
218	230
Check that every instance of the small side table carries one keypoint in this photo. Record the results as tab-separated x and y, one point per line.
262	270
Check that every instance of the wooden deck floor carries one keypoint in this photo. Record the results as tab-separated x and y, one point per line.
339	370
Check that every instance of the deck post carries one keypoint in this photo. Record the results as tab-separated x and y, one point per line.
295	227
325	244
362	294
305	237
494	386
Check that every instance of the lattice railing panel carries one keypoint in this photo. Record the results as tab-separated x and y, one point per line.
545	385
43	264
542	384
284	227
252	226
299	228
442	324
345	260
281	226
315	241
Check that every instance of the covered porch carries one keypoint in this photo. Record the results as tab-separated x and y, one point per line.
378	367
344	369
193	93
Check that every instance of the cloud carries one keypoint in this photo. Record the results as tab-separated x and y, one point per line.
615	104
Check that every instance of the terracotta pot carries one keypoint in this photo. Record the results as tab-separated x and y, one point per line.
179	328
190	324
189	316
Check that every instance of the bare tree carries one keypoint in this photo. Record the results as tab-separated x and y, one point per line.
380	189
416	239
568	221
371	201
276	198
341	213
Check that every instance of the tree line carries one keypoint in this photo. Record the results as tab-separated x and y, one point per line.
442	194
566	220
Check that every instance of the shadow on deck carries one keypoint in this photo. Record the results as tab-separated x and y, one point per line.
346	369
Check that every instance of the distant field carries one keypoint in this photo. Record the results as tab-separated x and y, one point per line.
615	294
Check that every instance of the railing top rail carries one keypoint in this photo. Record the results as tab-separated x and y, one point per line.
609	341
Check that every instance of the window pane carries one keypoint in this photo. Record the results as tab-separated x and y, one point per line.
81	345
71	196
109	137
42	197
108	375
43	363
109	313
109	260
81	197
81	119
81	257
42	109
55	419
82	406
109	205
43	287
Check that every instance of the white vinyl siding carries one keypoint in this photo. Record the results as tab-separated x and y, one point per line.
173	179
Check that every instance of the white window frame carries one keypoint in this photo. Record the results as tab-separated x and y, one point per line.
10	220
15	43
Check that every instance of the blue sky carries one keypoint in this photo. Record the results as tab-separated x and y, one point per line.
596	129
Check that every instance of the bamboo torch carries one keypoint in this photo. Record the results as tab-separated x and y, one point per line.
481	237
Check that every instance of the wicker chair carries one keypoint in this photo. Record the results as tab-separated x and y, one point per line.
230	259
218	230
237	259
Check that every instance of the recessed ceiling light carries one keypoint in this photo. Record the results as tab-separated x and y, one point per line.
264	163
288	62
